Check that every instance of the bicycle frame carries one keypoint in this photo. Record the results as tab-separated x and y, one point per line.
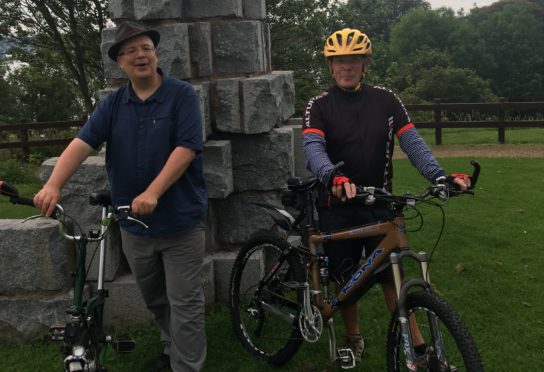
393	247
84	312
83	334
394	239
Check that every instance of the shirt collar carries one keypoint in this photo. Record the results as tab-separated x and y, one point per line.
158	96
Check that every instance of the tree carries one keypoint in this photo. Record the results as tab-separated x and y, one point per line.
420	28
40	92
7	98
512	33
449	84
375	17
69	29
430	74
298	29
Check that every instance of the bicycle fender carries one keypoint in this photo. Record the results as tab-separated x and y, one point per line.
282	218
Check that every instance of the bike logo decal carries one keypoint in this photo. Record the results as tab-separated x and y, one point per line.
362	270
362	230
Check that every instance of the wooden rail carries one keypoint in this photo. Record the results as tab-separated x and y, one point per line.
22	131
499	109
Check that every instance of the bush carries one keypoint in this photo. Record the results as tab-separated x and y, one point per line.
16	171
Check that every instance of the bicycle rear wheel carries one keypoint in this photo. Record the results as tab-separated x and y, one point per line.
459	350
264	299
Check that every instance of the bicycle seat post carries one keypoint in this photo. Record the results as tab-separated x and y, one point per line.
102	256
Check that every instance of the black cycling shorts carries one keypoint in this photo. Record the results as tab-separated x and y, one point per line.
345	255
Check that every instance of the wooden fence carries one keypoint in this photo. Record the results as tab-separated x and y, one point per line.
500	113
22	131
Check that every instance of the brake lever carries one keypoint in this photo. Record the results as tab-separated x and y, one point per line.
137	221
441	191
57	214
122	213
32	218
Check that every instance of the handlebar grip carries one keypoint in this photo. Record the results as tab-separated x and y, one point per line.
22	201
9	190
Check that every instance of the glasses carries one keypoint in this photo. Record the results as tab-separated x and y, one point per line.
132	52
347	60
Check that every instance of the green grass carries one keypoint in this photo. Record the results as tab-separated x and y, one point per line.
488	265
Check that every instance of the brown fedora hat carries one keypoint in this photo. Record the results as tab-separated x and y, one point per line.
128	30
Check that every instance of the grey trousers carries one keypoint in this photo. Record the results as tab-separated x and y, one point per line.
167	272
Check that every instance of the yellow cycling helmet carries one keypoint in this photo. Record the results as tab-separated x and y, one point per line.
348	41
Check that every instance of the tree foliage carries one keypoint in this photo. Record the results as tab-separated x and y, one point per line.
512	34
374	17
65	31
297	30
423	54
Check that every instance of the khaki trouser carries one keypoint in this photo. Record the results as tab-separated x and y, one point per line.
167	271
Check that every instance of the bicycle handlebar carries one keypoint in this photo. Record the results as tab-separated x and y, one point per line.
442	191
120	213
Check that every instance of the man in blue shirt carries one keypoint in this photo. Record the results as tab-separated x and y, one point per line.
153	131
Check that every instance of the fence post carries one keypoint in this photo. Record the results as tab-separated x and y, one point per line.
501	117
437	127
25	146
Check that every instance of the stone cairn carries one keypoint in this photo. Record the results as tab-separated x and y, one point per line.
222	47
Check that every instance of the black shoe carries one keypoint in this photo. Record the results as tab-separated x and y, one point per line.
162	363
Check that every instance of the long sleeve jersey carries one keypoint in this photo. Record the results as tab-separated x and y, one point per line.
358	128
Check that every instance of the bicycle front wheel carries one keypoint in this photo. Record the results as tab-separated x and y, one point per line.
266	298
84	354
449	345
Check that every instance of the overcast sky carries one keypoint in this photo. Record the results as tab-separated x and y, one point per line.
457	4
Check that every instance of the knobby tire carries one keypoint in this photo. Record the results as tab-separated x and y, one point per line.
254	306
460	350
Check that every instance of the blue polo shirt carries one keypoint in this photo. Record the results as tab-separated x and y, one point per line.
140	136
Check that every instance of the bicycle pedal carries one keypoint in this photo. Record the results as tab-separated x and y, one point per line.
124	345
56	332
346	357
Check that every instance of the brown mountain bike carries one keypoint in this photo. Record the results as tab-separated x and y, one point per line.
279	294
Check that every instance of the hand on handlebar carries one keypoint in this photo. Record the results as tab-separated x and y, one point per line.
461	180
46	200
343	188
144	204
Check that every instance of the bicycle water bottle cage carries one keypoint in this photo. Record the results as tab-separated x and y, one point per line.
346	357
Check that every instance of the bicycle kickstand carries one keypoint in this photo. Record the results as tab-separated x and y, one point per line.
343	354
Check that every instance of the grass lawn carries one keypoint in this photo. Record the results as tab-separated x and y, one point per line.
488	265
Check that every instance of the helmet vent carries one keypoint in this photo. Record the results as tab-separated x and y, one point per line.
339	39
350	37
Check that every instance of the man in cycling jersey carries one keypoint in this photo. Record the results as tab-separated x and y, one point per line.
356	123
